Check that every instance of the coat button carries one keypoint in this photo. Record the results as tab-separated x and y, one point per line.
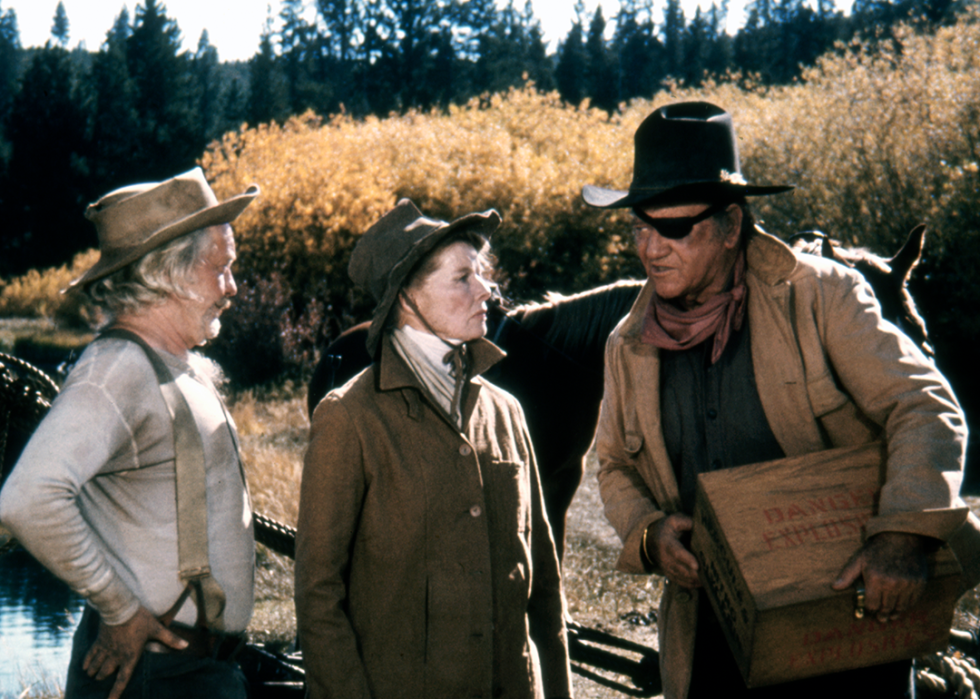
465	450
476	510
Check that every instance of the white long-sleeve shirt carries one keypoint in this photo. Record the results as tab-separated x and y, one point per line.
93	495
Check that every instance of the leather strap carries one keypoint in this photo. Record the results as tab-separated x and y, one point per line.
191	493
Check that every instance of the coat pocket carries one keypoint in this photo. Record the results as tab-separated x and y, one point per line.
843	424
632	443
632	434
825	396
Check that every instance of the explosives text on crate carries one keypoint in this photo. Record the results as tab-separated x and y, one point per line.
772	538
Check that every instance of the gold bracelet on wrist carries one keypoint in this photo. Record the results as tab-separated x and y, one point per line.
643	547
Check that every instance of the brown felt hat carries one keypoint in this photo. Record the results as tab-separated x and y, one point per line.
682	152
135	220
390	249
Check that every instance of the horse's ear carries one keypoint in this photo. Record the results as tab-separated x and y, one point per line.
828	250
907	258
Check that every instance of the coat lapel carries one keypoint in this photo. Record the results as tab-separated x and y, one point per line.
776	357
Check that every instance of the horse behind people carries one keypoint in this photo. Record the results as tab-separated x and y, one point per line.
887	277
555	358
553	367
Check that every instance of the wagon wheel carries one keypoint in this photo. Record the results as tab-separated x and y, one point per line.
26	393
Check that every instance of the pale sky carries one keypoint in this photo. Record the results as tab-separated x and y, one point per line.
234	26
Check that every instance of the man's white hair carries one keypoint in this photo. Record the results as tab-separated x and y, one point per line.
152	279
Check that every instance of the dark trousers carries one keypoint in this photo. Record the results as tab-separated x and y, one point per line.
715	673
156	676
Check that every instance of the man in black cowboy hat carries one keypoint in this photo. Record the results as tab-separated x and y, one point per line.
739	351
131	489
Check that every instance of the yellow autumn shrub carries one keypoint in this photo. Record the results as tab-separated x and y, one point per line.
876	140
37	294
523	153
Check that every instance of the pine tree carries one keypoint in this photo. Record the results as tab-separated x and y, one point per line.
478	25
164	99
48	187
570	71
673	30
114	152
502	48
720	53
121	30
601	85
295	50
336	61
697	48
342	19
207	88
638	55
267	98
379	74
9	67
441	83
757	44
415	28
234	113
538	64
59	29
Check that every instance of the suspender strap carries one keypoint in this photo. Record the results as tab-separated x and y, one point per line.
192	510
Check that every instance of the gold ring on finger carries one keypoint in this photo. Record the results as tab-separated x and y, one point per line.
859	602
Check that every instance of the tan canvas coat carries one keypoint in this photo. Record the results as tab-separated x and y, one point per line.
830	372
424	562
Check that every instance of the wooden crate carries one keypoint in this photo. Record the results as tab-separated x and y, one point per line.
771	538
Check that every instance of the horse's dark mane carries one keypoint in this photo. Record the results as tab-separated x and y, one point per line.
579	321
887	277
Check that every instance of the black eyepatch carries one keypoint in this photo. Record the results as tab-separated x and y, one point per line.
677	228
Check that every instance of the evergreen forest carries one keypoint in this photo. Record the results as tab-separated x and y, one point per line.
76	123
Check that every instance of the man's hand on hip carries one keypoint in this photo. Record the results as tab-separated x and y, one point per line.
667	551
119	648
894	568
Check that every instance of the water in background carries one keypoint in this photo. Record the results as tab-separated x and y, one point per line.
38	614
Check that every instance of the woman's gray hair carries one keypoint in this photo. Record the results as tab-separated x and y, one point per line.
153	278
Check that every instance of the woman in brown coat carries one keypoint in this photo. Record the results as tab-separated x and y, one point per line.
425	566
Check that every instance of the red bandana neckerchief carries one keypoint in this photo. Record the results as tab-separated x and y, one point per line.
667	327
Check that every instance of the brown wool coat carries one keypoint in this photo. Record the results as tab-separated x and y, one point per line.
830	372
424	562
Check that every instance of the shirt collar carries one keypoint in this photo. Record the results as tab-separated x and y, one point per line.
394	373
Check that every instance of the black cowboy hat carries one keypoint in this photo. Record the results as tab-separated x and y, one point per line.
682	151
390	249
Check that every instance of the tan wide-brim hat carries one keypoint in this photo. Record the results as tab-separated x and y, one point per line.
390	249
135	220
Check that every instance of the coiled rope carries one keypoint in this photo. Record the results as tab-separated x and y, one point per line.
26	393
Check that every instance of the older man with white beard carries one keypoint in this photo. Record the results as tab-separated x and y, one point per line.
131	490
